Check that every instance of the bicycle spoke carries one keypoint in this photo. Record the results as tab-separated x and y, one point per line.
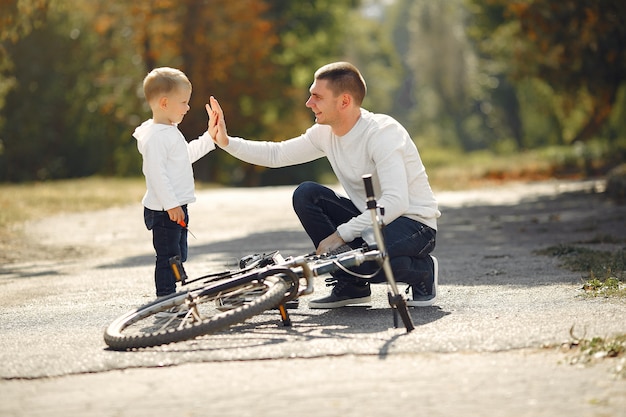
205	314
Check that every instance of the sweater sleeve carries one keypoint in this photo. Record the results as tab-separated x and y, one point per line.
294	151
199	147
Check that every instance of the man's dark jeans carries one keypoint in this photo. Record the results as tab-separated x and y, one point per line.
169	239
408	242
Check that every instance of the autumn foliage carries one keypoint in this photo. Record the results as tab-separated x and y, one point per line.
462	75
578	47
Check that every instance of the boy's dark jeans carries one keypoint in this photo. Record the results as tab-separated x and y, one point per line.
169	239
408	242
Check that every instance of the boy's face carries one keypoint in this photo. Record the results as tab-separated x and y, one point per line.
173	107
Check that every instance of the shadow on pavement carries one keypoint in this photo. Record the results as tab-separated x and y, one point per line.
350	324
287	242
497	245
476	245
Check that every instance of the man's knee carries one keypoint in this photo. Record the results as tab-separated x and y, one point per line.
304	193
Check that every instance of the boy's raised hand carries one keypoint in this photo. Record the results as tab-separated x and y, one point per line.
217	125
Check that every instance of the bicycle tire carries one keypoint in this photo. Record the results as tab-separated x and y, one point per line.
141	328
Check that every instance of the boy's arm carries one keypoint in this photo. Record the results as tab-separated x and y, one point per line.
199	147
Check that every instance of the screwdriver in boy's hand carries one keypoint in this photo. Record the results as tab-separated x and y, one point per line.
184	226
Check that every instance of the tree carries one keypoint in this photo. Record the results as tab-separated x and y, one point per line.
444	77
250	54
500	104
54	127
72	71
19	18
577	47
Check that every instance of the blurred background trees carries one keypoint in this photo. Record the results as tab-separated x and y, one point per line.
463	76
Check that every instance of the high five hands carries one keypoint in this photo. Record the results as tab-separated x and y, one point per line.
217	125
217	130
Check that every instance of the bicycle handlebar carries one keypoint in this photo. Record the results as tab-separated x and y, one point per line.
312	266
309	266
369	188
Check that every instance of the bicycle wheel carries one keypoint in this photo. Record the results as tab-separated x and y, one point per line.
209	309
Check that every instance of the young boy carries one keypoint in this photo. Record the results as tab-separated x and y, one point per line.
167	159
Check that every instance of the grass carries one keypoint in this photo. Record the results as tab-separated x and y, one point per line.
604	276
448	170
603	347
587	351
604	270
22	202
31	201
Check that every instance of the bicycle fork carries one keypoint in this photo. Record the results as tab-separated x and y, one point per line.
396	300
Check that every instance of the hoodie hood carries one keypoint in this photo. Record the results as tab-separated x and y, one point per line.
145	131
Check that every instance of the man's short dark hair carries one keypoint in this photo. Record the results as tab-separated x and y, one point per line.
343	77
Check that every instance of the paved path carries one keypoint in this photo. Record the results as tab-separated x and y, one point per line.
491	347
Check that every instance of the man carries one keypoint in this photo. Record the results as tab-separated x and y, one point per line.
356	142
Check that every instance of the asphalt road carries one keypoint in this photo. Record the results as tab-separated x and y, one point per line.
493	345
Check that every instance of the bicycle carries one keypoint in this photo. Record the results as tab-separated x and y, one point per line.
263	281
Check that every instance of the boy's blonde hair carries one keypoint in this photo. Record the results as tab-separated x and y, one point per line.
163	80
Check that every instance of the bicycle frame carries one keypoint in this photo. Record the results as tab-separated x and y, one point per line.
263	282
308	267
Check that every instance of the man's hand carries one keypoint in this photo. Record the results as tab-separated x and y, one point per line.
217	125
176	214
330	243
213	119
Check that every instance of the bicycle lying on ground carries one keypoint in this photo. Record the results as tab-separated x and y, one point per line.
216	301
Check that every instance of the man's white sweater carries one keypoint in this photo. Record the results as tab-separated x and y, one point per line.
376	145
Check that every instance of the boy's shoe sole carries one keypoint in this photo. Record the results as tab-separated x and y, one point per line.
333	302
429	300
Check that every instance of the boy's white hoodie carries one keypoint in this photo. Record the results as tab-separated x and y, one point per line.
167	159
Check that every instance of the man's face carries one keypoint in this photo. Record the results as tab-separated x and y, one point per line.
323	103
